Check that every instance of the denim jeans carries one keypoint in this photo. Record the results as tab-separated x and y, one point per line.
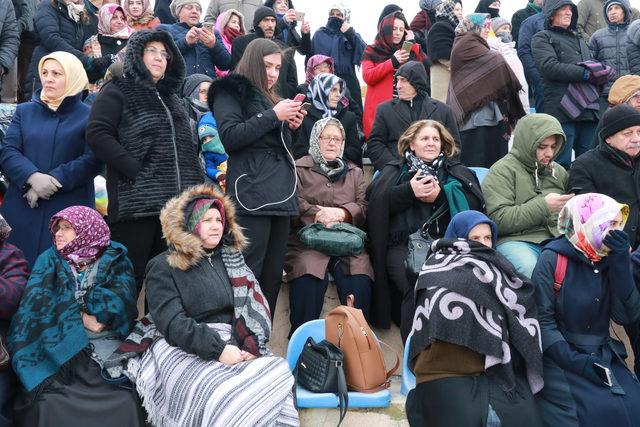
523	255
579	138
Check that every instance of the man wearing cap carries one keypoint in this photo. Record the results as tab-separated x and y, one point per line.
625	90
265	26
200	46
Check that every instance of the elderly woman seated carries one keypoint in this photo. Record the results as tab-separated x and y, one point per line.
426	186
584	281
215	322
78	305
475	335
330	190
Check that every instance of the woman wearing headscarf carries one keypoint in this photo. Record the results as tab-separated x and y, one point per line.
427	185
113	35
44	154
330	189
327	94
483	94
488	354
230	25
492	7
439	44
13	278
583	282
140	14
78	306
382	59
215	324
141	130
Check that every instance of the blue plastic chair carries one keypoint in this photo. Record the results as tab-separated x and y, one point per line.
307	399
481	173
408	379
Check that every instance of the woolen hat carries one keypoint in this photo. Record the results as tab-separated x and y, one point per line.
619	118
499	22
623	89
261	13
176	5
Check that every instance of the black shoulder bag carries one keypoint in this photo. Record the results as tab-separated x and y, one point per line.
420	242
320	370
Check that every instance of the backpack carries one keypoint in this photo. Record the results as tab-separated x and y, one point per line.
558	275
346	327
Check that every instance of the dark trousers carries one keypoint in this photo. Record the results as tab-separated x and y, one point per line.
484	145
306	293
28	42
143	239
405	283
266	250
538	95
579	138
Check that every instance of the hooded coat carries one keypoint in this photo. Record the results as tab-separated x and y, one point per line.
141	131
633	47
609	45
259	169
609	171
516	185
556	52
393	117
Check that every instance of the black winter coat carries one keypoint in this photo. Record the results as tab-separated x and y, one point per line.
349	121
288	79
393	117
440	40
142	132
259	170
385	190
517	19
608	171
557	52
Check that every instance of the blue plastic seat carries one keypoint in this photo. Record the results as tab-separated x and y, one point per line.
481	173
307	399
408	379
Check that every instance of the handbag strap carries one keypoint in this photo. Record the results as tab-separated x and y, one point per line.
442	209
343	393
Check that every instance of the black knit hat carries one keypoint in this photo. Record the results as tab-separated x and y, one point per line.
261	13
619	118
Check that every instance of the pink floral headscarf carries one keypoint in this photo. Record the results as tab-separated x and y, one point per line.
317	60
104	22
586	219
92	235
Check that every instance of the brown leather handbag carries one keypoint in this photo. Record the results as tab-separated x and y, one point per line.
346	327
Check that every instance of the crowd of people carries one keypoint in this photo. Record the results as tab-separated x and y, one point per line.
509	146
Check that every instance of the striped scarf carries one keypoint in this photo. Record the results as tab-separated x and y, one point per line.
319	90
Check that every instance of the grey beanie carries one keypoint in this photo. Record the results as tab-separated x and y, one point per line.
499	22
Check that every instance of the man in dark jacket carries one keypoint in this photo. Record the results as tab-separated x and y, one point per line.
393	117
529	28
9	38
557	50
612	168
201	47
533	7
265	26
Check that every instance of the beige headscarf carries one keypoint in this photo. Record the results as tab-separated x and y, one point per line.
76	77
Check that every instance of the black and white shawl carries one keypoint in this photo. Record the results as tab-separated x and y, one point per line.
470	295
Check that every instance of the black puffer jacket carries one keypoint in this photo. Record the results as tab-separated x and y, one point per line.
260	173
609	171
142	132
557	52
393	117
633	47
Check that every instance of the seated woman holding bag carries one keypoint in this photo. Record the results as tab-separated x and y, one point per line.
78	306
215	324
330	191
427	185
488	354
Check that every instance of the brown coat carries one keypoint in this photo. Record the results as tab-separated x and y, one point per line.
314	188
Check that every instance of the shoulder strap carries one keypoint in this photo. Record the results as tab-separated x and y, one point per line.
558	274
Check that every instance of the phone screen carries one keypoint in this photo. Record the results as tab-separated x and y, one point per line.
406	46
300	97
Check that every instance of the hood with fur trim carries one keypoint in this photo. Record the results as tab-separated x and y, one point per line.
185	248
134	66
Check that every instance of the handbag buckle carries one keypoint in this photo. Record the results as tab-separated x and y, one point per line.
338	363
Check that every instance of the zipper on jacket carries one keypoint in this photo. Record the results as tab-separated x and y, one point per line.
173	139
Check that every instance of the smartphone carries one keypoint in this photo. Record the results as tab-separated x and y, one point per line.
406	46
299	16
300	97
604	373
305	106
208	25
575	190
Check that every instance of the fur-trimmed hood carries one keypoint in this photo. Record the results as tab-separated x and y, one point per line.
134	67
185	248
233	83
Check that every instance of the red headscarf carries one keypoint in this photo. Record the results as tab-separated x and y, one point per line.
383	47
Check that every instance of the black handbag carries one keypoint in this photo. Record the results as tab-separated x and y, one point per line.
420	242
320	370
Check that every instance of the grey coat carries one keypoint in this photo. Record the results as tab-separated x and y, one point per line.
25	11
9	35
609	45
633	47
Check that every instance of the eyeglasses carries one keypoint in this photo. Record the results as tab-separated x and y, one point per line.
335	139
158	53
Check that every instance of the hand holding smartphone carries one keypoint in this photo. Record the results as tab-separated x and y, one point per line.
407	45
